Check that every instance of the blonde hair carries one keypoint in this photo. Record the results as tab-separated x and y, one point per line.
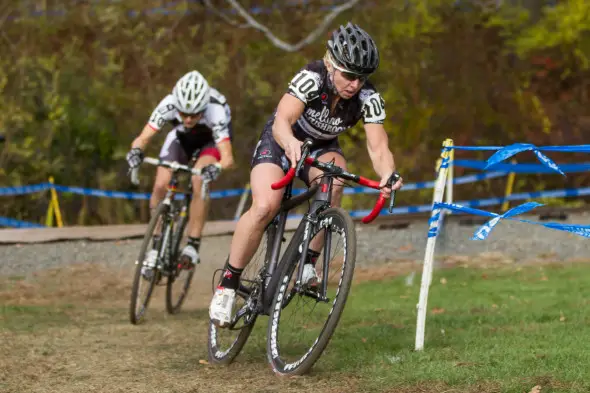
328	61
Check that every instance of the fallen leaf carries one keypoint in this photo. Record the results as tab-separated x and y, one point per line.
484	276
494	306
561	317
202	361
394	359
404	297
407	247
544	278
438	311
536	389
378	309
364	340
443	281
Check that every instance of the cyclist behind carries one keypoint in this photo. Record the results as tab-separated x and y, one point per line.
201	119
326	98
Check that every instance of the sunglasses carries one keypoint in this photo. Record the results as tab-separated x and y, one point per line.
183	115
349	76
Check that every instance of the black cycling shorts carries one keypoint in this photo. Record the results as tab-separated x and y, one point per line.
269	151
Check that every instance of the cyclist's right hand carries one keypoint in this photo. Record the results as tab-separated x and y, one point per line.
293	150
134	157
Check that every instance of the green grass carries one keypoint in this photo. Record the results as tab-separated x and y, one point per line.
24	318
500	330
503	328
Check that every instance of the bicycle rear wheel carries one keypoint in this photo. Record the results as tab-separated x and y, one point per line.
226	343
176	294
150	275
304	317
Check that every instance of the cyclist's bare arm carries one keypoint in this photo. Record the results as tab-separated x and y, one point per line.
144	138
227	157
381	156
288	111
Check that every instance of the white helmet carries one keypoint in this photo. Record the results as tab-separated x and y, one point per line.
191	93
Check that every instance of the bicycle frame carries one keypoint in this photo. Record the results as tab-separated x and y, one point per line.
169	198
275	230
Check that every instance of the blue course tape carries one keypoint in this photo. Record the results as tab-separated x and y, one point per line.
11	222
522	168
484	202
102	193
9	191
138	195
407	209
506	152
511	150
428	184
565	149
22	190
482	232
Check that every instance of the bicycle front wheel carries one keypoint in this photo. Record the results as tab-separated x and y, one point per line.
146	276
304	316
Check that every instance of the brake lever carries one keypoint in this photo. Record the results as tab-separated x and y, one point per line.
304	152
395	177
134	174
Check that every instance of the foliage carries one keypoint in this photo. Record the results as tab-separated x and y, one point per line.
79	82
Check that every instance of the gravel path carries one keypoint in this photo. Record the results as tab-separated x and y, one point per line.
515	241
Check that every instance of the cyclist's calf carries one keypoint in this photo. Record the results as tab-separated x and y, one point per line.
163	176
197	183
337	192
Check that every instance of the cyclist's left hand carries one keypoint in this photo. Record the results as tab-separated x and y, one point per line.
210	172
385	190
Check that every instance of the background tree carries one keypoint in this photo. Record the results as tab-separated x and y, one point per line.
78	82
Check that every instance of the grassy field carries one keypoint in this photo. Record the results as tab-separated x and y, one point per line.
496	329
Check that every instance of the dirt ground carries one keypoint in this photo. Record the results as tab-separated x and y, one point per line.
79	339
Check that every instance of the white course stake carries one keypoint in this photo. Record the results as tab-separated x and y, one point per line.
439	190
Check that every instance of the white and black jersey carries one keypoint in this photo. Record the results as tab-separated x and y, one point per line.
312	86
215	123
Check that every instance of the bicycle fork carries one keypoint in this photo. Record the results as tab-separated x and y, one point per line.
321	201
166	237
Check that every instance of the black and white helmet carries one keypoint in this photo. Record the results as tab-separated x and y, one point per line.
353	49
191	93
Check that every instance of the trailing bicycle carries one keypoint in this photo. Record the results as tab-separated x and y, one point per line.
159	253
